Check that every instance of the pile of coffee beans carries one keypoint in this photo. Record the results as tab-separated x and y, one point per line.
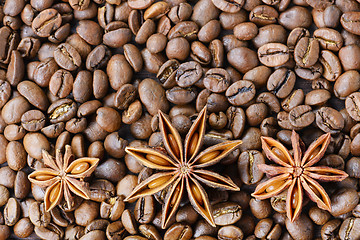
93	74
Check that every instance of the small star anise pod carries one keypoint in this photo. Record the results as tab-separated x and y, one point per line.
297	174
62	176
181	168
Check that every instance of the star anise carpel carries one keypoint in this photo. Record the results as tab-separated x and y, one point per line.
297	174
62	176
181	168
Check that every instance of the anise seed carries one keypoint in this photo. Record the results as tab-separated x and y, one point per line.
80	168
159	182
209	156
43	177
157	160
54	193
197	195
173	145
193	143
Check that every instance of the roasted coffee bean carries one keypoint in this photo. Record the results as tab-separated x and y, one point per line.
301	116
200	53
350	22
306	52
273	54
34	94
352	103
12	212
226	213
240	92
263	15
15	155
67	57
329	120
217	80
281	82
178	231
329	39
38	216
317	97
89	31
248	166
144	210
188	73
62	110
46	22
242	58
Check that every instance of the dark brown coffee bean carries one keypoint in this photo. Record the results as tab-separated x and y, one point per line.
44	71
188	73
111	170
33	120
178	48
346	84
229	6
350	22
82	86
61	83
306	52
100	84
301	116
119	71
240	92
217	80
217	51
14	109
62	110
344	194
352	104
16	69
178	231
34	94
329	120
116	34
90	31
281	82
329	39
5	92
186	29
153	96
46	22
115	145
295	99
178	95
350	228
226	213
133	56
144	209
98	57
200	53
209	31
38	216
263	15
270	33
248	166
204	11
243	59
67	57
290	18
331	64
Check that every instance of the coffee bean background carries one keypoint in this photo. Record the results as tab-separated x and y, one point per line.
94	73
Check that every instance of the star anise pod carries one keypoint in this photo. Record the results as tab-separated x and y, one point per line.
181	166
297	174
62	176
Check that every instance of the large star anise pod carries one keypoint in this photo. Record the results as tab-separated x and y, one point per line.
181	168
61	179
297	174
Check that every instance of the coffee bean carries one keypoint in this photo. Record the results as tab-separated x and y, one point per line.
306	52
226	213
301	116
46	22
352	103
281	82
67	57
240	92
350	22
273	54
144	209
329	120
263	15
243	59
